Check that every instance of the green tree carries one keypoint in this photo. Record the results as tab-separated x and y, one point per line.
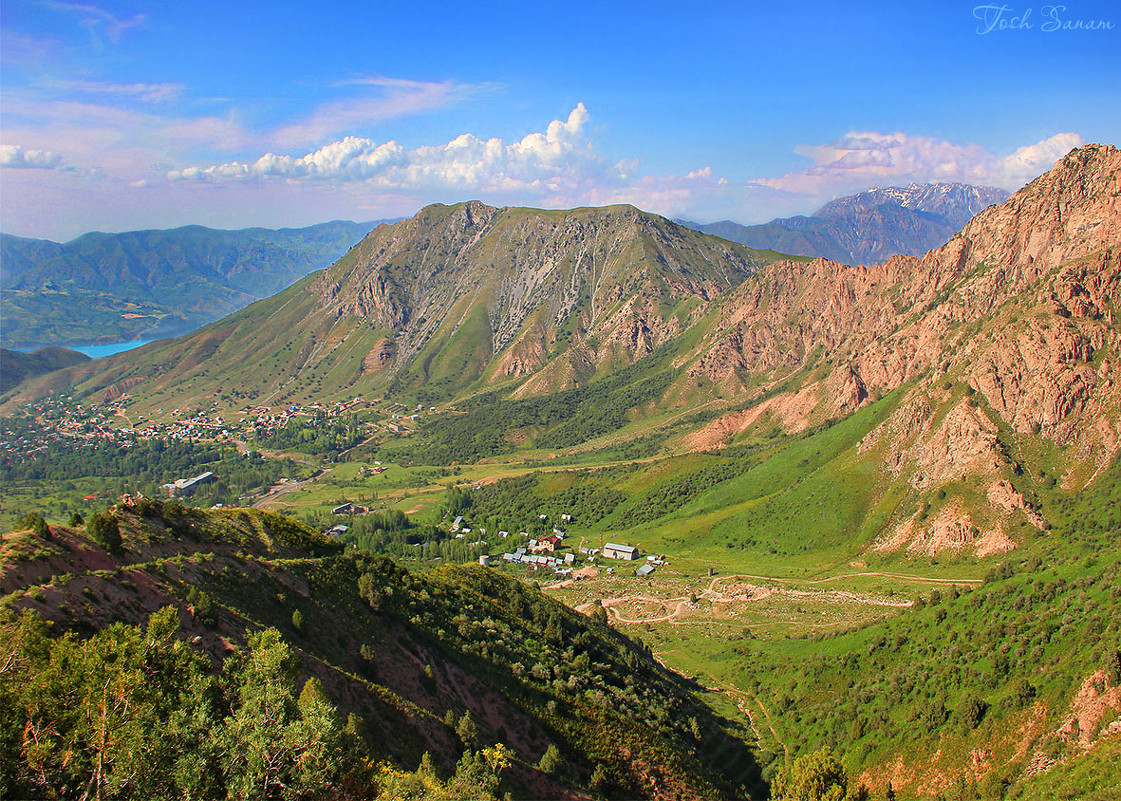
275	746
550	761
41	528
100	717
103	529
599	613
1022	692
815	777
970	710
477	776
203	607
467	730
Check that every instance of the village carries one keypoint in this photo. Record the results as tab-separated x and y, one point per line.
552	552
60	418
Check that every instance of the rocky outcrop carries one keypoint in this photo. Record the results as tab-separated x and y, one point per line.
600	278
1020	307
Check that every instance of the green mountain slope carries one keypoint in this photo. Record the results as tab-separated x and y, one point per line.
111	287
411	655
455	298
18	254
16	366
975	691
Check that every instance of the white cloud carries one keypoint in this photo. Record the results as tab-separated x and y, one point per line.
139	150
14	156
538	164
1030	161
559	167
148	92
97	20
868	158
396	97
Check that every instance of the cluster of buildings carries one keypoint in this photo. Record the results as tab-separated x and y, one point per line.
544	552
522	556
192	428
58	418
264	420
61	417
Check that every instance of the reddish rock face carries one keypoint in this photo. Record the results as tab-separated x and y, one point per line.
1021	307
1047	263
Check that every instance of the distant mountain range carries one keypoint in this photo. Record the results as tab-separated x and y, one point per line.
102	288
147	284
870	227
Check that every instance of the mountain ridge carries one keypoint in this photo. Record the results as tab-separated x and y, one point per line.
407	657
103	287
871	226
462	296
16	367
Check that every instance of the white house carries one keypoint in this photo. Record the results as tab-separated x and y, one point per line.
615	551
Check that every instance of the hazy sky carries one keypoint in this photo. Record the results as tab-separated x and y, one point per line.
125	115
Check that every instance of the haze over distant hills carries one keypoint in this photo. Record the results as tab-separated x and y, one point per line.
146	284
869	227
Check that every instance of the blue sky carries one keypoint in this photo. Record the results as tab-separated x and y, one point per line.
124	115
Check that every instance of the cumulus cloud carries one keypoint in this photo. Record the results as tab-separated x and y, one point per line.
14	156
1030	161
540	163
559	167
869	158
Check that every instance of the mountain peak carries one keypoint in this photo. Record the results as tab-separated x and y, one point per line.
1068	212
954	203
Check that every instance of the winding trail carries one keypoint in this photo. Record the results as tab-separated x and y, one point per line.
748	594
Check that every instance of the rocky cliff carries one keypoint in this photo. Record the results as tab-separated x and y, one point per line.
1006	336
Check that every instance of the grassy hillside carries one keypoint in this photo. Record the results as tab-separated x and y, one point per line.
456	300
411	655
16	367
945	678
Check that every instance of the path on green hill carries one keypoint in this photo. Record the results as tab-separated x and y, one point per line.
925	579
742	699
276	493
745	593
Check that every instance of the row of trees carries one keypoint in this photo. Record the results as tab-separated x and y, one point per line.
319	434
